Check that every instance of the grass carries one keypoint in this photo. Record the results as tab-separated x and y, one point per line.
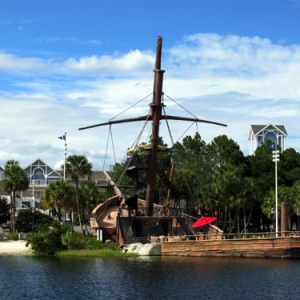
96	253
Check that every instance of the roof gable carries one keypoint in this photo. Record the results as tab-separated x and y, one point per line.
50	172
256	129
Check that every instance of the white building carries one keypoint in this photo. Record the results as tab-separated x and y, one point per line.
259	134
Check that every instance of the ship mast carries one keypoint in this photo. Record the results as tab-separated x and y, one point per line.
156	106
156	116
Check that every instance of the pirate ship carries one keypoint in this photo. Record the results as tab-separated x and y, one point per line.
129	219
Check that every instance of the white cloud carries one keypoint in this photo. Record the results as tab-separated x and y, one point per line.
229	79
13	63
133	61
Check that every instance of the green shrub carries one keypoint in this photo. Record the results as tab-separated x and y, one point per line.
75	241
13	236
25	218
94	244
48	239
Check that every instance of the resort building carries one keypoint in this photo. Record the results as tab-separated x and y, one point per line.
40	175
259	134
1	174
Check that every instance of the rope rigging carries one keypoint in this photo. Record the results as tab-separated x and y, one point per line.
131	106
134	145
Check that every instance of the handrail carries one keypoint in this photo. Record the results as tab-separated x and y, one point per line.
231	236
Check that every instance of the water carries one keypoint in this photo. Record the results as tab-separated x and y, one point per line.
23	277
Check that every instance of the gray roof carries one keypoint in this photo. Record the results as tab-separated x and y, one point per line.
257	128
96	175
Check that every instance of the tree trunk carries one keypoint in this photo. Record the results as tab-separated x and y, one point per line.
11	212
225	218
78	209
14	213
238	220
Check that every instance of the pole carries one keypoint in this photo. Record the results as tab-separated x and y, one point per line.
276	200
156	107
33	211
276	159
33	183
65	153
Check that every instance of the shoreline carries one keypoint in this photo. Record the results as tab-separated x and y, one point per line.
8	247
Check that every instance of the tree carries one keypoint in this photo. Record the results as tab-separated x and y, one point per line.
285	194
289	167
15	180
24	219
4	210
229	184
90	194
192	171
77	166
262	167
57	195
222	150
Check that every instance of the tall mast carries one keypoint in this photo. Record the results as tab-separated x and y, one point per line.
156	106
156	116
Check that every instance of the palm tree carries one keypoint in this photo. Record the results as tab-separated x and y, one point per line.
15	180
89	191
77	166
58	194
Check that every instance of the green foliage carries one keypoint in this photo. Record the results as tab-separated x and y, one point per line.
289	167
48	239
13	236
192	171
4	210
76	241
77	166
104	253
15	180
262	167
89	195
94	244
117	175
25	218
59	194
222	150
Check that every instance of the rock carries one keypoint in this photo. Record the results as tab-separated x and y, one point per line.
144	249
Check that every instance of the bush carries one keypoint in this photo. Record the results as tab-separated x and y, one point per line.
13	236
48	239
24	220
94	244
76	241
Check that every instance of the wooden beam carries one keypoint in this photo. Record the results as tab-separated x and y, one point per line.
150	118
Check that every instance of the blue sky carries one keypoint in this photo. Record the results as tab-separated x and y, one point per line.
69	64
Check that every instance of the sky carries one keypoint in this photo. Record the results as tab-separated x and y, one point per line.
70	64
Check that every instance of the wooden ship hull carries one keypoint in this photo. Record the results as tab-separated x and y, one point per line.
130	220
285	247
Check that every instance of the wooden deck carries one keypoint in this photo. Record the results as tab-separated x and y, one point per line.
283	247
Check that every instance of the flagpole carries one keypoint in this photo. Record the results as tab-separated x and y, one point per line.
65	153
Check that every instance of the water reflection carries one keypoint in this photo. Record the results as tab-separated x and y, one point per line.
24	277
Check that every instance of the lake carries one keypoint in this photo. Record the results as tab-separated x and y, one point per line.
28	277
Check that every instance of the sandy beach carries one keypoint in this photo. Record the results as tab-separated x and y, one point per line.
14	247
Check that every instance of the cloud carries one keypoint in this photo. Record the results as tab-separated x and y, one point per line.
236	80
13	63
133	61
